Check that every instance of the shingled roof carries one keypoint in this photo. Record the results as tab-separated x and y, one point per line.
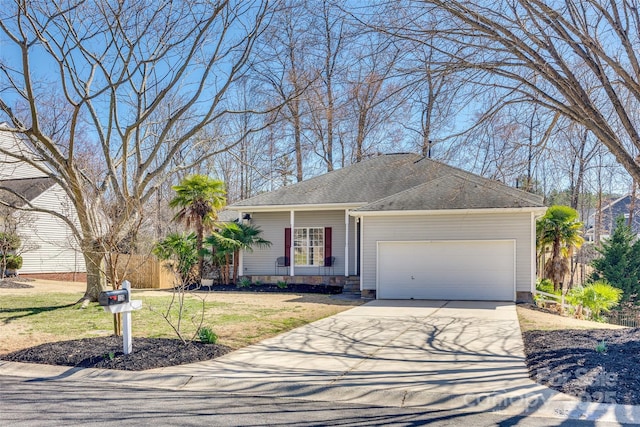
14	190
397	182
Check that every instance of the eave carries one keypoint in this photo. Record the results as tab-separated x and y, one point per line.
301	207
534	209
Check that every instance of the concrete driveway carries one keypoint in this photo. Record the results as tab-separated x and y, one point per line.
445	354
440	355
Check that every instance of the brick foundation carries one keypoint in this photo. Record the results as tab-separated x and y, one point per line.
524	297
368	294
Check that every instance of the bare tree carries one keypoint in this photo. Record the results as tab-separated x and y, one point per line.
145	81
330	31
283	65
374	93
549	53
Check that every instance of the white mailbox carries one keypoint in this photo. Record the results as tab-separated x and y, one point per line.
119	302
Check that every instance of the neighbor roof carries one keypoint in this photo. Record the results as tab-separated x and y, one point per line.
397	182
26	188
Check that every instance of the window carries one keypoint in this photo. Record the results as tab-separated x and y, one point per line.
308	246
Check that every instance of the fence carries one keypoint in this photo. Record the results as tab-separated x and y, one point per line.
555	299
145	272
629	318
624	318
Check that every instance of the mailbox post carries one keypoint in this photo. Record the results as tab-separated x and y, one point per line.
118	301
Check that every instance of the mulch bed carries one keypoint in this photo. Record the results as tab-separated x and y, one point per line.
296	288
106	353
567	361
15	283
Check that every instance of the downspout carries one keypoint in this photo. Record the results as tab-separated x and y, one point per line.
240	271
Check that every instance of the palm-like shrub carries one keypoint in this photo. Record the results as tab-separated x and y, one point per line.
598	297
198	199
229	241
558	229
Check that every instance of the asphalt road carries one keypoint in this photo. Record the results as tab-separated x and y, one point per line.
54	403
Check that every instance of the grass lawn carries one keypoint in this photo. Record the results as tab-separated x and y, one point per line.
239	319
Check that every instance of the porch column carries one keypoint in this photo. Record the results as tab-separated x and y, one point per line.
356	244
346	243
291	249
534	257
361	219
240	252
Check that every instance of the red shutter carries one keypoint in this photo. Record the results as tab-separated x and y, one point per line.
287	246
327	246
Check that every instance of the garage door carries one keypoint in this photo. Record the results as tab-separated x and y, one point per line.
452	270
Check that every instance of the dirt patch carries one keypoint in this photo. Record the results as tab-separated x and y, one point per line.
106	353
41	286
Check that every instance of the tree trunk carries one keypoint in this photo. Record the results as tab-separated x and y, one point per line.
297	134
226	269
236	263
96	282
632	204
199	245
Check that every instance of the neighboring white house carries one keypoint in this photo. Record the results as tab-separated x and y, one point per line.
49	245
407	226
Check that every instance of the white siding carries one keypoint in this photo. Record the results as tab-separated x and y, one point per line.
262	260
48	244
490	226
10	167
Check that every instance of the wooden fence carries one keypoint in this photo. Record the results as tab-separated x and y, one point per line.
145	272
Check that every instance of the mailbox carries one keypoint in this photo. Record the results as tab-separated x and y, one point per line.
107	298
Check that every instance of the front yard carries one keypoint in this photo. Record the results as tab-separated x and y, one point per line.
47	313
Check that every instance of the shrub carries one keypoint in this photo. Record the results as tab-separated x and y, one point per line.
9	242
598	297
207	336
281	284
181	250
546	285
13	262
620	261
243	283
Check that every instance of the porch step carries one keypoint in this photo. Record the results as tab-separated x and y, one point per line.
348	296
351	285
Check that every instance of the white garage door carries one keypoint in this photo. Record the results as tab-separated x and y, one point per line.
451	270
